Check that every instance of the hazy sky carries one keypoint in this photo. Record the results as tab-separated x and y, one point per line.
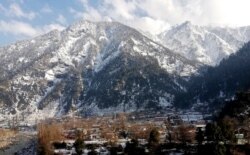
21	19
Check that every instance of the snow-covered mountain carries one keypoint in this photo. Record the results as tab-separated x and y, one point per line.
99	67
89	67
207	45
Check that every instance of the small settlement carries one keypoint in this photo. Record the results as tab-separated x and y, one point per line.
101	134
121	132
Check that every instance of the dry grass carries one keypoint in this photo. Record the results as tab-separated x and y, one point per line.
48	133
5	137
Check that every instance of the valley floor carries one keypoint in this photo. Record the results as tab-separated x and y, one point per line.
22	143
127	133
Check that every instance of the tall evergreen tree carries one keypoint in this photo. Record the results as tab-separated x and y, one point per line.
199	136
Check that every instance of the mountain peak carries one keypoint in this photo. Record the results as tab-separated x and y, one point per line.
206	45
187	23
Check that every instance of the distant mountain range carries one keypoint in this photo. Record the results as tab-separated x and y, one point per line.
104	67
207	45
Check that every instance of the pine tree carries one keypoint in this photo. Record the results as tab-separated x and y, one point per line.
199	136
79	145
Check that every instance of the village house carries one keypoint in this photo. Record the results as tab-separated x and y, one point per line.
240	134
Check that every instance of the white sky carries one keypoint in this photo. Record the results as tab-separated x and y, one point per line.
21	19
157	15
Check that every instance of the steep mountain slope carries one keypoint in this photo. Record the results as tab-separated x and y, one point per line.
208	45
221	82
89	68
